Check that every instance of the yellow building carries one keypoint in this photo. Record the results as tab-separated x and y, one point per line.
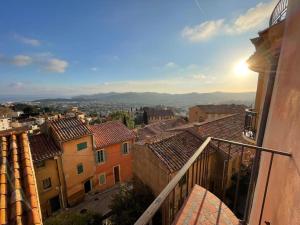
48	171
75	140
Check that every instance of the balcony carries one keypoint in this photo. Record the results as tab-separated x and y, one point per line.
279	12
250	125
198	194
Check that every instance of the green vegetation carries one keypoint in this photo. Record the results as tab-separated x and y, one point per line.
129	204
124	117
72	218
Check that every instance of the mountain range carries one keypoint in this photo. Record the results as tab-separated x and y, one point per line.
152	98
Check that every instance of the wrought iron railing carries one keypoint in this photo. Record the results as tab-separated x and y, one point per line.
250	126
197	170
279	12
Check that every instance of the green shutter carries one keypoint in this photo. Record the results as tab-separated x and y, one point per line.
81	146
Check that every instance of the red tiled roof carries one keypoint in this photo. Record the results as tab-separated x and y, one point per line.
43	147
222	109
176	150
154	112
158	128
229	128
19	203
111	132
66	129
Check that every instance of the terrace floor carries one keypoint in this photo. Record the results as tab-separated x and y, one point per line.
203	207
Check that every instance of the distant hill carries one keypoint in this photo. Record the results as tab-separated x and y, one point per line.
152	98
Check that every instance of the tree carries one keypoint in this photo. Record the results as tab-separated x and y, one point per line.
124	117
74	218
130	203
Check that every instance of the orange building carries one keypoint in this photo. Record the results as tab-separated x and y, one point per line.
78	161
112	142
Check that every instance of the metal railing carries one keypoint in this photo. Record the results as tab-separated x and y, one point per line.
279	12
250	124
198	170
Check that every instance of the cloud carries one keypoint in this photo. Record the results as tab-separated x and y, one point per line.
253	18
56	65
16	85
21	60
94	68
171	65
203	31
199	76
27	40
44	60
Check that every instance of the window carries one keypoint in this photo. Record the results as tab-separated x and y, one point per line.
102	179
100	156
47	183
79	168
81	146
125	149
40	164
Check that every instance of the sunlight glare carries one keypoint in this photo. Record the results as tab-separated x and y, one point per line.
241	68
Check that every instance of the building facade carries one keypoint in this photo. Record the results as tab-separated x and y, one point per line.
78	161
113	156
49	174
201	113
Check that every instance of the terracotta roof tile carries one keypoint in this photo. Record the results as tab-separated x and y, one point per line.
111	132
43	147
66	129
154	112
222	109
176	150
157	128
18	202
229	128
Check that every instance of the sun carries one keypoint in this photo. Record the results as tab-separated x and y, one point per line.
241	68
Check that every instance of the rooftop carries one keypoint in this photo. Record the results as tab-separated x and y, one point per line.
230	128
175	151
155	112
19	197
110	133
43	147
158	128
222	109
66	129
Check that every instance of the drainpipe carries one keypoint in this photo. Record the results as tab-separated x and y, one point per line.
60	185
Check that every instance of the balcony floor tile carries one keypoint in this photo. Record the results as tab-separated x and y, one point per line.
204	208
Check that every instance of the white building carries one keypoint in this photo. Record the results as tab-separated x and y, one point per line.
5	123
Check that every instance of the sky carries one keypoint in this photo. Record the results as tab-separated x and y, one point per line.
63	48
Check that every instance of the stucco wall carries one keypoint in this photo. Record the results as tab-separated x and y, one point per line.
48	171
114	157
196	114
148	168
71	158
282	132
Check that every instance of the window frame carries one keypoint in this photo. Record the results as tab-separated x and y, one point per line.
127	148
79	148
40	164
78	165
104	175
48	179
103	156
